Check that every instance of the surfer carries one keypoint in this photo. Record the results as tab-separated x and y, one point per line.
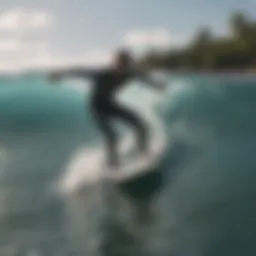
105	108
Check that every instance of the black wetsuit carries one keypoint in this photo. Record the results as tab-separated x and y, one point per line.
105	108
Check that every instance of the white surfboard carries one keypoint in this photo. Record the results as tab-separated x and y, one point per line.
132	167
87	167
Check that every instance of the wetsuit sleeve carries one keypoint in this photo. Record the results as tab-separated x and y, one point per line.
74	73
80	72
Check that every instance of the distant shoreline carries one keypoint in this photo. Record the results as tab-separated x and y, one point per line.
226	72
212	72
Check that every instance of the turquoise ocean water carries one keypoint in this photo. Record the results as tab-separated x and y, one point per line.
204	205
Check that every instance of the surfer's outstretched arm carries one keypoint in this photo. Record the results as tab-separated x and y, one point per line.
72	72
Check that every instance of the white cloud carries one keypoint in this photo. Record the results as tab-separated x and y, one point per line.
22	19
158	38
155	37
39	55
17	47
91	58
9	45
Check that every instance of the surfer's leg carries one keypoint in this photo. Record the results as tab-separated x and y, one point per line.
110	137
136	123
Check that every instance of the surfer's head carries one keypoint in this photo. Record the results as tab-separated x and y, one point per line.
123	60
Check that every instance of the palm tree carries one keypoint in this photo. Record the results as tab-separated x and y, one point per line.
240	24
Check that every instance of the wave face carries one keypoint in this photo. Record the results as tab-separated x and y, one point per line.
206	206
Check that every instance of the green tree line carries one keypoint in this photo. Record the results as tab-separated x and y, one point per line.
209	52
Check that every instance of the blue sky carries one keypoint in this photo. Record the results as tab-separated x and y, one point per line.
75	27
